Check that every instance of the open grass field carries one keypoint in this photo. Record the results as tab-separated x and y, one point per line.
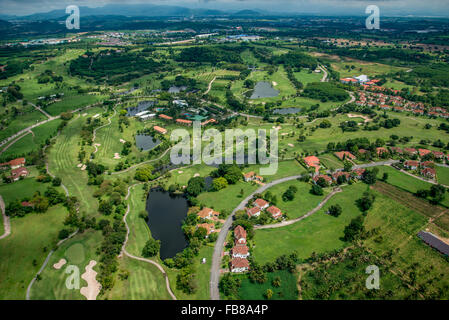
32	142
443	175
306	77
406	182
318	233
228	198
24	251
23	188
77	251
361	67
256	291
411	258
21	122
182	176
303	202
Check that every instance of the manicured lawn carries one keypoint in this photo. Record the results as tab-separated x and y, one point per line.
31	143
145	282
256	291
77	251
21	122
318	233
22	188
227	198
303	202
24	251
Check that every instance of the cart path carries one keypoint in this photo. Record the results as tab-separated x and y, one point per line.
126	253
6	221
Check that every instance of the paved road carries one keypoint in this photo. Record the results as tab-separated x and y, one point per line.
308	214
6	222
42	111
219	245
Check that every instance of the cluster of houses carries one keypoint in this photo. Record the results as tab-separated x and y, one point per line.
240	251
18	169
262	205
374	96
209	214
252	176
425	168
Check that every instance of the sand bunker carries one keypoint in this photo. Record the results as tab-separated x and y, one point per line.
83	167
80	165
116	156
60	264
277	128
359	116
97	144
196	175
180	171
84	114
122	141
290	145
93	286
275	83
96	116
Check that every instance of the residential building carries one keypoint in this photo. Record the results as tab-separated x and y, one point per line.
240	235
344	155
261	203
275	212
160	129
240	252
239	265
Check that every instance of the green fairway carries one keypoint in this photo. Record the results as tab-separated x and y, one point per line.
63	161
144	282
77	251
318	233
24	251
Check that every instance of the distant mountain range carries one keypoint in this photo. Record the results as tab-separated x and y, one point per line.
134	10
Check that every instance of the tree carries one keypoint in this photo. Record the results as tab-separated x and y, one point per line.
316	190
269	294
347	166
335	210
354	229
437	192
195	186
56	181
219	183
200	233
369	177
366	201
230	285
151	248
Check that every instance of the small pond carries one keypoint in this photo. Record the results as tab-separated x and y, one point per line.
286	110
264	89
142	106
145	143
165	215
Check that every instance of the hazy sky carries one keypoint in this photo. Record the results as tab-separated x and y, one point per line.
325	7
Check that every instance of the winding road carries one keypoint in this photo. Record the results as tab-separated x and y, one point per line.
219	245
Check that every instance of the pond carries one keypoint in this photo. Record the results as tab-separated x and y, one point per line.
286	110
145	143
264	89
165	215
